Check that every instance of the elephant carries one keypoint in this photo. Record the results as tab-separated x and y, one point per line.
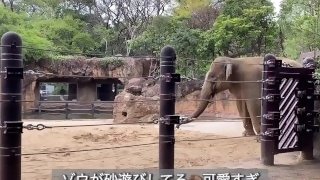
225	73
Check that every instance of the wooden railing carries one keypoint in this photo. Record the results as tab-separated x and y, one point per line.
74	107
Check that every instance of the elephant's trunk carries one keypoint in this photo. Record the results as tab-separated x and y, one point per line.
205	96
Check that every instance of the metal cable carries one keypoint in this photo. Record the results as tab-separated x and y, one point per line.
97	77
228	118
195	100
151	77
98	106
129	146
212	61
85	150
72	52
148	100
13	100
102	54
155	121
42	126
257	81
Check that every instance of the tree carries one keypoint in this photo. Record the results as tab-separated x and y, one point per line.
245	28
198	14
299	21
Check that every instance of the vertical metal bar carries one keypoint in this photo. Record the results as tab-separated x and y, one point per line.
39	109
307	135
115	89
269	109
167	107
10	110
92	110
67	110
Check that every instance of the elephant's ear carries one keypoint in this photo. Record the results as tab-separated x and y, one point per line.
228	70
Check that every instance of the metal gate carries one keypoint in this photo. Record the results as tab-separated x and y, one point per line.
288	139
287	122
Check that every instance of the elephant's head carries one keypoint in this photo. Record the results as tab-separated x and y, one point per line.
215	81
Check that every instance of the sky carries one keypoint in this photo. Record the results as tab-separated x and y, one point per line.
276	4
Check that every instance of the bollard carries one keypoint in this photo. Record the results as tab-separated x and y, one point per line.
306	138
10	107
167	109
270	114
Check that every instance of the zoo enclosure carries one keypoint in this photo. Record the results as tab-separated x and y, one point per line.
11	124
71	107
288	109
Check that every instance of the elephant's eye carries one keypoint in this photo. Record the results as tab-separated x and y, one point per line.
213	78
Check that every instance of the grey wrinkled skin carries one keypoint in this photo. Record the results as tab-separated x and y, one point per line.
230	70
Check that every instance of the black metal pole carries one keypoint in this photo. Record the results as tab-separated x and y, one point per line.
270	114
309	103
10	109
167	107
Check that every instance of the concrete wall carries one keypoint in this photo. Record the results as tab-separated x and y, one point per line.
83	91
86	92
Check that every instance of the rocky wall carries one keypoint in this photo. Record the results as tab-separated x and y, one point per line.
139	102
78	68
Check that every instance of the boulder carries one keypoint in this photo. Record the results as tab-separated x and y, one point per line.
144	106
134	86
133	108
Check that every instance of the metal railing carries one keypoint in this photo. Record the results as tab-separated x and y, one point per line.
73	107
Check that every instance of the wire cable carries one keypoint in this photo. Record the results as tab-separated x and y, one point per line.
42	126
102	54
129	146
73	52
85	150
147	100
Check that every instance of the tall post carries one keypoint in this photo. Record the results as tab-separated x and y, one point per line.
306	138
167	108
10	107
270	114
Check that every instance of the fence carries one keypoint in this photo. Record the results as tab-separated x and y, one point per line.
73	107
278	109
288	114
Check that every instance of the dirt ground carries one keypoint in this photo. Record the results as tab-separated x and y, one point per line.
193	150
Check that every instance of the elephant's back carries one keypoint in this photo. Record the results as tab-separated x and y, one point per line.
290	61
259	61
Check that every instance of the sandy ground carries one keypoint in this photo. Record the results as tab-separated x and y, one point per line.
196	147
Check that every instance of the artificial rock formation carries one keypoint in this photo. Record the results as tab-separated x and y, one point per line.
139	102
83	71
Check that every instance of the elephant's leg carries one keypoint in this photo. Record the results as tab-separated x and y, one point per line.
248	128
253	107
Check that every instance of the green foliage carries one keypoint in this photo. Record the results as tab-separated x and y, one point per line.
157	35
240	28
186	7
300	23
112	62
60	89
244	28
31	36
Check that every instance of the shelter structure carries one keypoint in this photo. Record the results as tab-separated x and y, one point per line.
87	82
